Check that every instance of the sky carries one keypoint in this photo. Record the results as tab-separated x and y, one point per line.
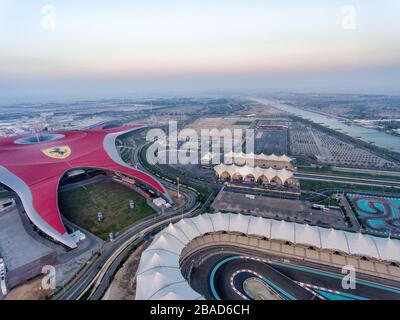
120	48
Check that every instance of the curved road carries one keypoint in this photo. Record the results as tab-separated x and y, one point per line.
348	180
290	278
85	279
221	287
93	279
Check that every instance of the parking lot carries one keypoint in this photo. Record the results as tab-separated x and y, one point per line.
271	140
328	149
281	209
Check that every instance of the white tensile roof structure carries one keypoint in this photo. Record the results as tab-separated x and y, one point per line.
242	158
257	172
210	156
159	276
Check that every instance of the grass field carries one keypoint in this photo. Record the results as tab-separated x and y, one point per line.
309	185
327	171
111	198
329	202
243	123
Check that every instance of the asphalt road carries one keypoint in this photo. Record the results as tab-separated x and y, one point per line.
100	290
288	277
83	280
74	289
283	285
198	182
347	180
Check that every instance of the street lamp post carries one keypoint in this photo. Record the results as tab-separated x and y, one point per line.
177	181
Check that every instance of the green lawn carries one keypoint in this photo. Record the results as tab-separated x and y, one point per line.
309	185
242	123
327	171
329	202
111	198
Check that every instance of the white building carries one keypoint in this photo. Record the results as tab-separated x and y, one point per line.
255	174
159	275
160	202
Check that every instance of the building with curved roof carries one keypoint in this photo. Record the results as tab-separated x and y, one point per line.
259	160
159	275
250	159
256	174
33	164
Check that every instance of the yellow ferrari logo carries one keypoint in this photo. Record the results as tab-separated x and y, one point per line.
58	152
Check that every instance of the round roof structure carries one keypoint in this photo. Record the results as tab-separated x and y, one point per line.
33	165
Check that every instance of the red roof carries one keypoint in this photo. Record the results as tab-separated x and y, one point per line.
42	173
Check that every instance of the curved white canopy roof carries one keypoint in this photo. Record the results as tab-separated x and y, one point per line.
307	235
257	172
159	275
282	230
334	240
260	227
238	222
242	158
157	258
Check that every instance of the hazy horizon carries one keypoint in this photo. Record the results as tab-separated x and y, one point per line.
98	49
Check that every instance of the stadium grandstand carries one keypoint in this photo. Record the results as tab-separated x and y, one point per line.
159	274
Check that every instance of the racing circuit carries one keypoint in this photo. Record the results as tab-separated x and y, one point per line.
227	256
379	215
222	275
237	273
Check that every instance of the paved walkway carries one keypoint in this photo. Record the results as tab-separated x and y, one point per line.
17	247
325	153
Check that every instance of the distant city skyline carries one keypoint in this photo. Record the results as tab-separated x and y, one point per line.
55	49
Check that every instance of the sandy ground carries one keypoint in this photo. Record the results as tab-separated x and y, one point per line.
259	290
219	123
31	290
264	111
123	287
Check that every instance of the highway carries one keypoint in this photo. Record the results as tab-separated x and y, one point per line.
93	280
201	183
109	268
102	269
